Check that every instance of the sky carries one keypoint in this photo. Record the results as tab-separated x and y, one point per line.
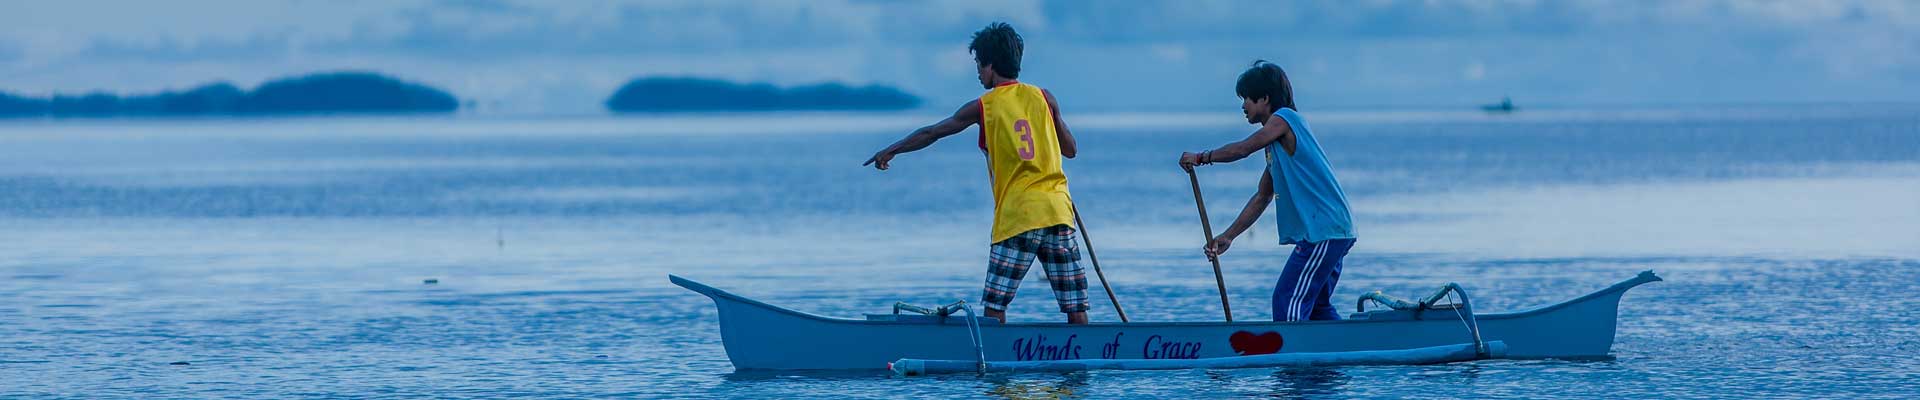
566	57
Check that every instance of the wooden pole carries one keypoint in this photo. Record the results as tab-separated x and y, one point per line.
1207	227
1096	264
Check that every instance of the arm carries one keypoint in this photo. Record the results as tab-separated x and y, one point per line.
1068	147
1255	206
967	115
1275	130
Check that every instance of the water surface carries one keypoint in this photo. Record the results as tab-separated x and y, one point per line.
282	258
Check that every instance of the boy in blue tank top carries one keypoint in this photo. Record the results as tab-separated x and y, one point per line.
1310	208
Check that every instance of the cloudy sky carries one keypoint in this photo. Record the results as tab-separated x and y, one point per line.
565	57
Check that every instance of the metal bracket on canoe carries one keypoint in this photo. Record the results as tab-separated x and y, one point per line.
1377	297
973	326
1462	309
1431	302
899	306
942	311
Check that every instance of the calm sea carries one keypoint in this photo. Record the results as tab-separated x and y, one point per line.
289	257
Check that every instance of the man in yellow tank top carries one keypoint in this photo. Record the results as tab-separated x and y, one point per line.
1024	140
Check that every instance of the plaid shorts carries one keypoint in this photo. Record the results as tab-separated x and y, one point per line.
1059	256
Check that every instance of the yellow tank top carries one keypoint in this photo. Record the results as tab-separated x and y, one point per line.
1023	160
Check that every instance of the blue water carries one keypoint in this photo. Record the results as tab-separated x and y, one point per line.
286	258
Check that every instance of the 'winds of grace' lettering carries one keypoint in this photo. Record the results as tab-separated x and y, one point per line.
1041	348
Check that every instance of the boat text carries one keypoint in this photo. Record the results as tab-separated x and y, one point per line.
1037	348
1156	348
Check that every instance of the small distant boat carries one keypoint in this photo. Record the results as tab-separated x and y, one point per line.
761	336
1504	106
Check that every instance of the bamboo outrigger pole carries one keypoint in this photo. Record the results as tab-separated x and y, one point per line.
1207	227
1096	264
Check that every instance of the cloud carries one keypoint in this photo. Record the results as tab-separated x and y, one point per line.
1280	22
169	49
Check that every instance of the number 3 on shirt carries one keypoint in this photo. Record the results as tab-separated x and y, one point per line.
1026	135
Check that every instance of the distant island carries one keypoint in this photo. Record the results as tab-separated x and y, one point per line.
658	94
323	93
1504	106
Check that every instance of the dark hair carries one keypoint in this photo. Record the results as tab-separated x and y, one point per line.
1266	81
998	45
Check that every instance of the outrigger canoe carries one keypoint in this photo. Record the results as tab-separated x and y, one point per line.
761	336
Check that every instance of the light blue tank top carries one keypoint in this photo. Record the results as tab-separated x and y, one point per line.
1307	199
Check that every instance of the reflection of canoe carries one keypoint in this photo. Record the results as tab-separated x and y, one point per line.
762	336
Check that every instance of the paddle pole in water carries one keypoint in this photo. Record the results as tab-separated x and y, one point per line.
1096	264
1208	228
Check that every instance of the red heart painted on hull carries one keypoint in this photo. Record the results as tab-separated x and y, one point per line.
1247	343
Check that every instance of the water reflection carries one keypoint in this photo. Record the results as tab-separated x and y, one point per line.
1063	386
1291	382
749	376
1455	374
